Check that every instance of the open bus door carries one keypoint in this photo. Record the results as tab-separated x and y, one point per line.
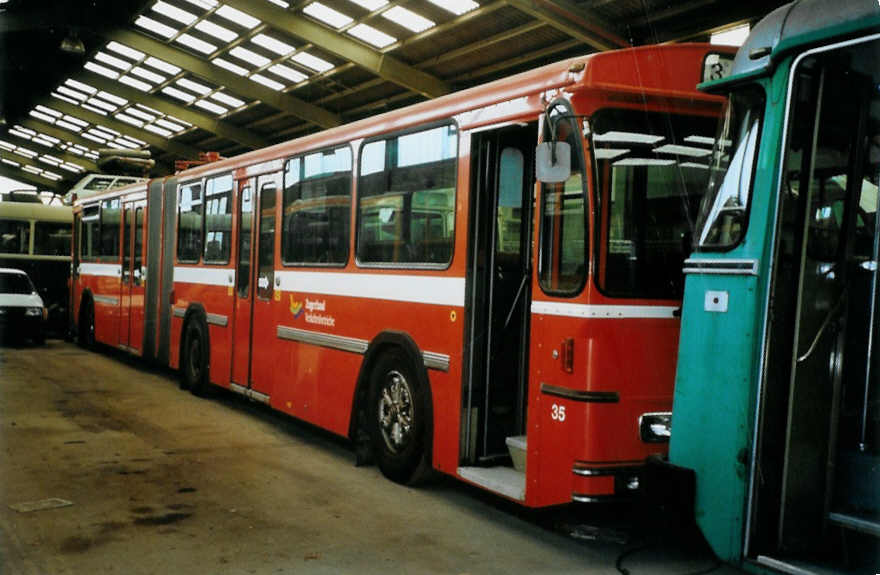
818	446
131	297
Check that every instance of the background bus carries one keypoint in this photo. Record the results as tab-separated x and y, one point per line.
777	401
403	281
35	238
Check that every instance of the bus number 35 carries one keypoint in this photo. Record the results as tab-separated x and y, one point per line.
557	412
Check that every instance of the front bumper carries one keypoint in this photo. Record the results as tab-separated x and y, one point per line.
14	323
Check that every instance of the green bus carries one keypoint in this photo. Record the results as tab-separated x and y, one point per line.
776	413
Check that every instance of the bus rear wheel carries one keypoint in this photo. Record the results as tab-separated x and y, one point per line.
396	414
86	330
194	363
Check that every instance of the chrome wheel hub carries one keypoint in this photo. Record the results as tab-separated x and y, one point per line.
396	411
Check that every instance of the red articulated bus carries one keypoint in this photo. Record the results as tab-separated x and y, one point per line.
405	281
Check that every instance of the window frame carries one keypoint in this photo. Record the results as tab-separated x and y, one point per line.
352	202
588	208
230	212
357	203
83	220
180	186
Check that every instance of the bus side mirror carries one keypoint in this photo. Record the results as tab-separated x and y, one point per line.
553	162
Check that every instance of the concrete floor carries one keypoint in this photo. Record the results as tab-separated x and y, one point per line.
163	482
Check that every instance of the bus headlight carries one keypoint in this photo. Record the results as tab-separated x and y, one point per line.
655	427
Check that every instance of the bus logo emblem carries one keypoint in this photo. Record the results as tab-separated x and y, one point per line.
296	307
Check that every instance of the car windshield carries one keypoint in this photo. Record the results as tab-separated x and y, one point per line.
722	221
12	283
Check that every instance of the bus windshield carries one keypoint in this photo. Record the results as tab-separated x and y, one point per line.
652	170
722	220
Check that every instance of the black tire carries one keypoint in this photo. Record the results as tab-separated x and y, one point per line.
397	418
85	335
194	360
39	338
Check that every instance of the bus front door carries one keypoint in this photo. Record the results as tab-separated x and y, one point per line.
243	306
131	298
499	278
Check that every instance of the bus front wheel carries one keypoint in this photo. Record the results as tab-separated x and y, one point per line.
194	364
397	419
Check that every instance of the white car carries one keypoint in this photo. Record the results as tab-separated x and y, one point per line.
22	313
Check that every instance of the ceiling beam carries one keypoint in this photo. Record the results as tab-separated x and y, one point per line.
182	151
40	166
573	21
86	163
383	65
32	179
210	124
208	71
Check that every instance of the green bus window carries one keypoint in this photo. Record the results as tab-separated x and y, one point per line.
406	199
651	173
90	236
189	223
563	261
14	236
52	238
266	245
722	220
317	208
111	216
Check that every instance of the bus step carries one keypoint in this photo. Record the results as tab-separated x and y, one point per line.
502	480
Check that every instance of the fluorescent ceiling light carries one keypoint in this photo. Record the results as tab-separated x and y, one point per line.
65	98
31	170
80	86
105	130
27	131
174	13
312	62
273	45
735	36
47	159
227	99
22	135
457	7
227	65
268	82
89	136
42	116
205	4
194	86
224	34
72	93
196	44
327	15
135	83
281	3
157	130
372	36
11	163
178	121
155	27
162	65
49	138
111	98
7	146
76	121
102	105
132	139
211	107
71	168
408	19
50	175
25	152
140	114
103	71
237	17
371	4
125	50
288	73
49	111
149	110
42	142
129	120
249	56
169	125
112	61
179	94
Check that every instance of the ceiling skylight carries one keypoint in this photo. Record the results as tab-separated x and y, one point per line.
174	13
370	4
106	58
196	44
162	65
211	107
249	56
155	27
148	75
313	62
102	70
179	94
219	32
227	65
194	86
237	17
408	19
281	3
227	99
270	43
288	73
327	15
125	51
268	82
135	83
457	7
371	36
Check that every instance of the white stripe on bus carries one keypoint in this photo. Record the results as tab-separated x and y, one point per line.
109	270
438	290
204	276
603	311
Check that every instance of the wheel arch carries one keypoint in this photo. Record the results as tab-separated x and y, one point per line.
195	312
381	344
85	298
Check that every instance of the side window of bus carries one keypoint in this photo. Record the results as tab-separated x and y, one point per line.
218	219
14	236
406	198
52	238
189	223
138	244
110	228
563	260
317	208
90	234
266	245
